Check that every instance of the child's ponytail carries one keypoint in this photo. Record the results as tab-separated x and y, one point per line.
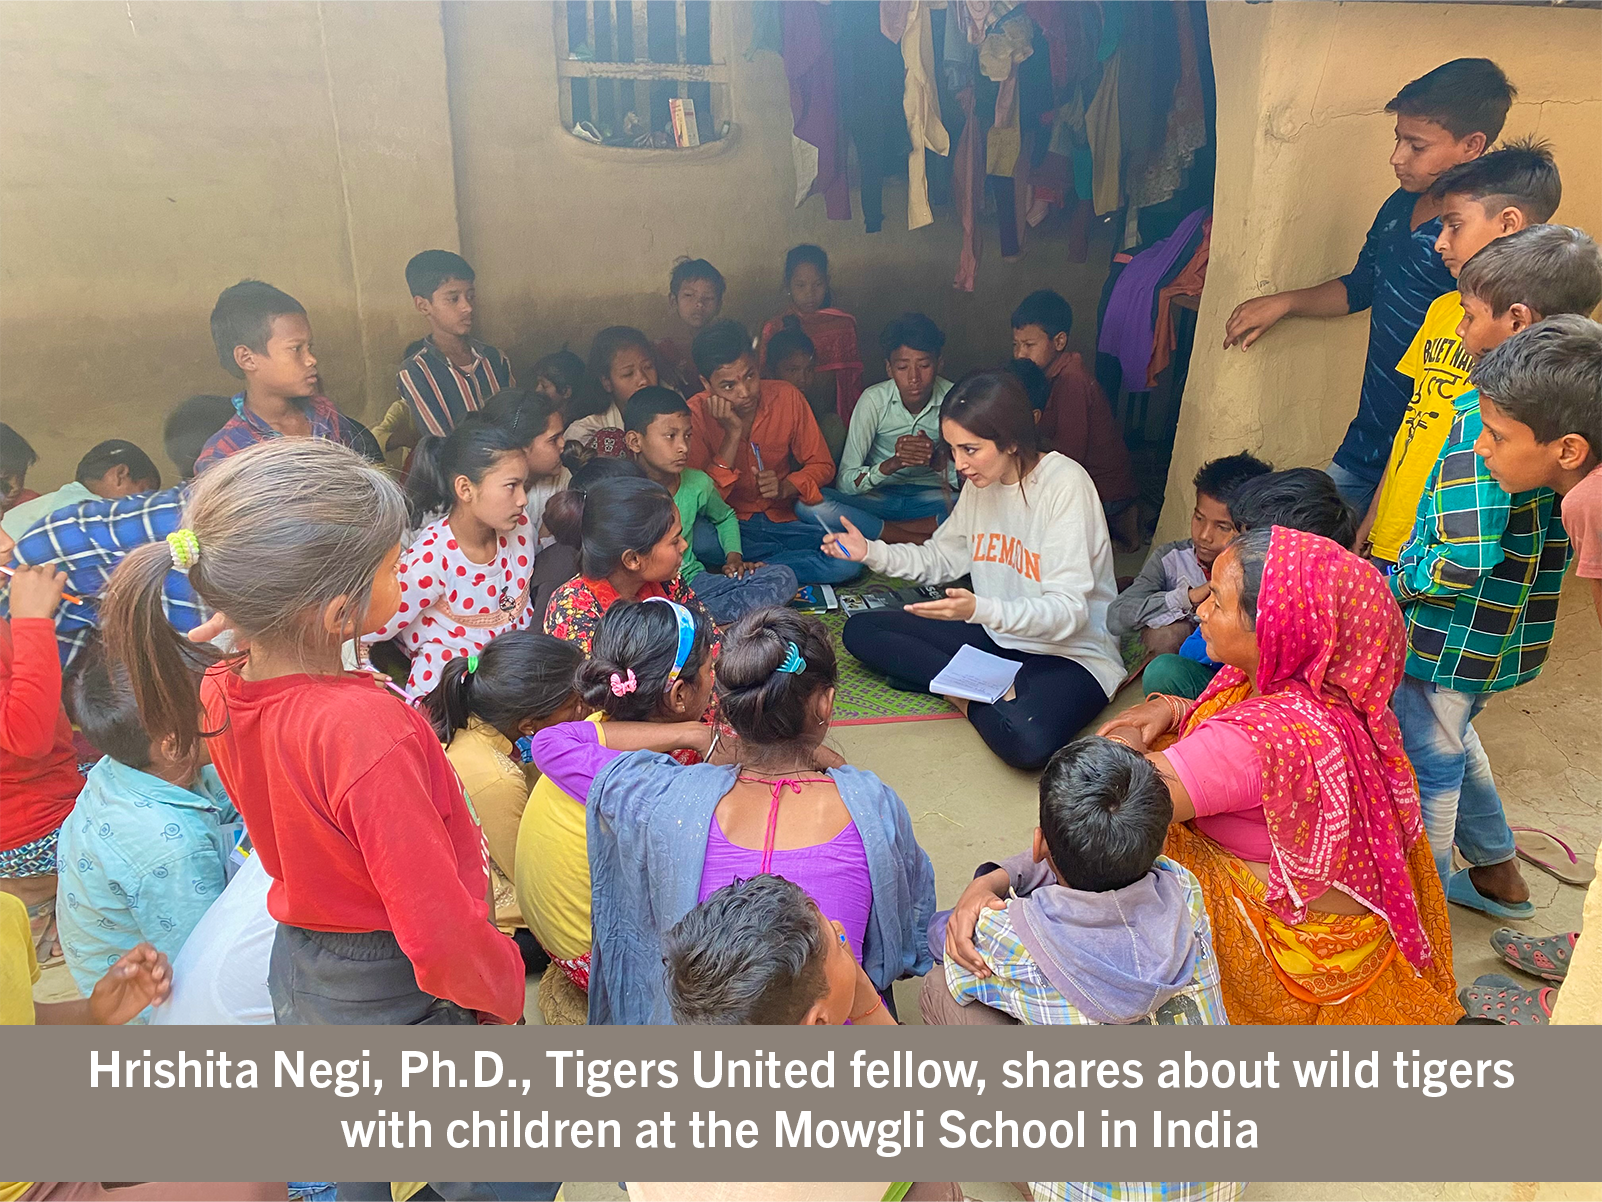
565	512
772	664
519	675
277	537
164	668
470	450
634	659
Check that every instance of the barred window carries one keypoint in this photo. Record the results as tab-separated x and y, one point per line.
627	61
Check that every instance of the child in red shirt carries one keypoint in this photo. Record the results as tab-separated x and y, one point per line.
378	870
39	778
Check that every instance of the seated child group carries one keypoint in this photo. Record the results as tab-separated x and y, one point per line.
387	725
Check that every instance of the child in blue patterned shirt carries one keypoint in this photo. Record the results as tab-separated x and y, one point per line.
145	851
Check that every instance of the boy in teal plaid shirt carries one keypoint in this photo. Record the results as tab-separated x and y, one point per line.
1478	584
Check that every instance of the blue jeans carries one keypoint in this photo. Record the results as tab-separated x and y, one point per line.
1357	491
796	545
869	511
728	599
1459	796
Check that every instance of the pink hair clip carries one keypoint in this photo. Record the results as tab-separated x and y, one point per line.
622	686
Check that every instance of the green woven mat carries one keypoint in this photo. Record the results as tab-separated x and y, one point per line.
862	697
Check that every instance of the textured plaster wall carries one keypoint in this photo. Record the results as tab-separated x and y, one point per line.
1303	140
154	153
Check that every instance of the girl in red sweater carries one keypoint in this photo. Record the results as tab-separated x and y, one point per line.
378	878
39	779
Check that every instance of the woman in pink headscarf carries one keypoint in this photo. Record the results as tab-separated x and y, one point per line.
1293	801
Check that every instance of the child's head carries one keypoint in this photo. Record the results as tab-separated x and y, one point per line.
776	676
104	707
989	425
442	289
1446	117
1538	272
295	539
912	345
117	468
806	278
262	336
1034	381
695	290
759	952
1040	326
624	361
561	376
1492	196
190	427
728	365
1541	404
1299	498
533	420
619	523
520	683
791	355
656	422
479	469
1218	480
1104	813
650	661
16	457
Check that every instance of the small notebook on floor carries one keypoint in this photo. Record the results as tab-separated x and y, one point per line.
975	675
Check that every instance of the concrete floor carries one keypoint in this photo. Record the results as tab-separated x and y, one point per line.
1545	745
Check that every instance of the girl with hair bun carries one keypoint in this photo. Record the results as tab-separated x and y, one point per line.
663	837
466	576
630	542
646	685
484	705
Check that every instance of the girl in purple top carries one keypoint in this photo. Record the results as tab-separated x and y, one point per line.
782	813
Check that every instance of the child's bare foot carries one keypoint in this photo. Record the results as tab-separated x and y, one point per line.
1501	882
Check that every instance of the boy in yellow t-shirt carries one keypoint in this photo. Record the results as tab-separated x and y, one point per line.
1481	201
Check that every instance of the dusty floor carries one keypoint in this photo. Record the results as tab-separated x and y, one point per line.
1545	745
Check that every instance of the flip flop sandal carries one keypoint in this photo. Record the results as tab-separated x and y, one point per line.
1544	956
1551	855
1499	999
1460	889
46	938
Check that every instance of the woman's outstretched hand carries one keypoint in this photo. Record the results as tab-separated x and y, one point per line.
850	545
957	606
1152	719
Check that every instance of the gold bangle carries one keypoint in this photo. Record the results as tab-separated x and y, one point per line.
1121	739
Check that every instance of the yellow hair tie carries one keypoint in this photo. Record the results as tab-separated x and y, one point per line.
185	548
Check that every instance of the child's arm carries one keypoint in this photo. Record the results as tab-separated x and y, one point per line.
1014	983
856	474
139	978
811	452
443	928
724	520
1254	318
1461	527
1150	600
30	666
572	755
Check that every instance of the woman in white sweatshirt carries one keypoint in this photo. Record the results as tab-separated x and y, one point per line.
1030	530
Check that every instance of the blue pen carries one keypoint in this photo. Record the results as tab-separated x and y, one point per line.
757	452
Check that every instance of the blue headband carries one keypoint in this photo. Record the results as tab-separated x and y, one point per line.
686	638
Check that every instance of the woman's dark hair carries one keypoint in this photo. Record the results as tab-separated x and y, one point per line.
521	674
789	339
767	707
685	270
640	637
522	412
604	518
1298	498
609	342
991	403
806	253
470	450
1251	552
753	953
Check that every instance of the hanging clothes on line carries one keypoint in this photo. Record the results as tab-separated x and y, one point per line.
1189	282
868	87
1128	325
815	141
909	23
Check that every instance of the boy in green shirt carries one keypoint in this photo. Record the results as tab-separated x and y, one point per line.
656	423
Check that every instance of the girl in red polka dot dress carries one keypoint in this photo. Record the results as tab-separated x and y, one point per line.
465	578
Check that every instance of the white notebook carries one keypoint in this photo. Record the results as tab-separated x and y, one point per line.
975	675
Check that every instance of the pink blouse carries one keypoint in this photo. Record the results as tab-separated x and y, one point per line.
1220	770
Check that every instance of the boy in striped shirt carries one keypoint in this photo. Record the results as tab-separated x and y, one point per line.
449	373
